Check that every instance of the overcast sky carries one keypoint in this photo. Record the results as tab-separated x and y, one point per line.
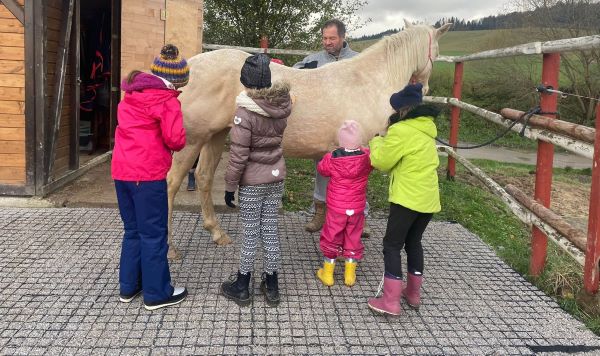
388	14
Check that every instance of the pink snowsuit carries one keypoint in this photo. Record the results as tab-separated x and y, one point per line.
346	200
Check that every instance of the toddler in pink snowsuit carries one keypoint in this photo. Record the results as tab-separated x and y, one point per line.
348	168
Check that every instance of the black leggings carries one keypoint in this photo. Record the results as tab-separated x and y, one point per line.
405	229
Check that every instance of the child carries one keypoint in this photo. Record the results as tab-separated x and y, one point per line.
257	166
407	151
150	127
348	168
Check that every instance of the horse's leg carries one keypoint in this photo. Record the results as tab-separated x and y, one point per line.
209	160
182	162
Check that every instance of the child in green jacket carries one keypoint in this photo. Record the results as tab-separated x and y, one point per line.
409	153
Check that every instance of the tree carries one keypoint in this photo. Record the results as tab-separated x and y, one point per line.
287	24
557	19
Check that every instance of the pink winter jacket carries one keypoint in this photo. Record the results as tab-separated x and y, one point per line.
347	188
150	126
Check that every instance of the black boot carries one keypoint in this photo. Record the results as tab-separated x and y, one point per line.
237	289
270	288
191	181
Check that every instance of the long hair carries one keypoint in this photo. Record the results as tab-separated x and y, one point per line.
131	76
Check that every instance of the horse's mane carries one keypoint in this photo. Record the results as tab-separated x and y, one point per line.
401	50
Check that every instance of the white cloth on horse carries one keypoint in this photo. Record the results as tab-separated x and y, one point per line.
246	102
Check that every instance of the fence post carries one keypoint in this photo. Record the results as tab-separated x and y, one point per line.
455	117
592	253
545	157
264	43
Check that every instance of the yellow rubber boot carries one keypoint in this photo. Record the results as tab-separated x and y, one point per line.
350	273
325	274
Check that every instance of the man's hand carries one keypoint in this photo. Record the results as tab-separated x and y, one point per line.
229	198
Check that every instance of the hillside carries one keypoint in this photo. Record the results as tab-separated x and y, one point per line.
464	42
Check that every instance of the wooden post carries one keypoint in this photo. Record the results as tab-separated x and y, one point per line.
455	117
545	157
264	43
59	84
592	254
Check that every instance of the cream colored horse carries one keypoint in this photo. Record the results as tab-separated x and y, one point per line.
357	88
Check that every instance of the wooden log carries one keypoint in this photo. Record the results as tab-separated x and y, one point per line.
564	45
583	149
580	132
576	236
258	50
524	214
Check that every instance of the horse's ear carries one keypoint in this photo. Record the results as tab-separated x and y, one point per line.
407	24
442	30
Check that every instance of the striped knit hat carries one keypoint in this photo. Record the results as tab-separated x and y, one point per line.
170	66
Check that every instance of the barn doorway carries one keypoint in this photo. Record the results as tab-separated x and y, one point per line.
99	73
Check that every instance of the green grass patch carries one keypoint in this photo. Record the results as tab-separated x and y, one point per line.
481	213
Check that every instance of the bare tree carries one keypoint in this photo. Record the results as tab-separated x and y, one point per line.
557	19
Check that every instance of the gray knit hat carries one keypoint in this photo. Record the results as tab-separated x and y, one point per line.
255	72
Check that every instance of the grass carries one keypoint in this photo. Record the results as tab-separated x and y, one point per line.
480	212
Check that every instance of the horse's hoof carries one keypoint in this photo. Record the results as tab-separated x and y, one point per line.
223	240
173	254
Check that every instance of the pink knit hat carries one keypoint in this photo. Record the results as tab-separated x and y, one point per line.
349	135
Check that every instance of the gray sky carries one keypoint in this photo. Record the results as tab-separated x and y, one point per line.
387	14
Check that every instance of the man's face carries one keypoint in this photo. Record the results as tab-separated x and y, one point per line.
332	42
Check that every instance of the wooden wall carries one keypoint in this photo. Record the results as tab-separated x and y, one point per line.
56	16
184	37
12	99
142	34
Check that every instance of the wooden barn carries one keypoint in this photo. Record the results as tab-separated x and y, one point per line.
61	64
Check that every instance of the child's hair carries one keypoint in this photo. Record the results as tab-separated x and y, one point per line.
401	114
131	76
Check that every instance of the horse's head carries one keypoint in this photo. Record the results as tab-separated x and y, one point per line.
427	51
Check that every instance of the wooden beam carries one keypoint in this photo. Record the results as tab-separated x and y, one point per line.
75	80
259	50
59	83
16	9
28	68
72	175
39	88
576	236
564	45
580	132
524	214
578	147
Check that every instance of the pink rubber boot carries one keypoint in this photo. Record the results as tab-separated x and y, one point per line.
389	302
412	292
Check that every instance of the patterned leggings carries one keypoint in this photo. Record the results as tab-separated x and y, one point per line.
258	211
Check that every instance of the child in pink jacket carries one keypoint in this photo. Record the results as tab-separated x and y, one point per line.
348	168
150	127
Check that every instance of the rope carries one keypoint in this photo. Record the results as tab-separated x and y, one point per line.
542	89
527	115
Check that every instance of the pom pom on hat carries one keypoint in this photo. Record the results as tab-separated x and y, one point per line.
412	94
170	66
349	135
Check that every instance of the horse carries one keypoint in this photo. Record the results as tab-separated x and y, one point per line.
357	88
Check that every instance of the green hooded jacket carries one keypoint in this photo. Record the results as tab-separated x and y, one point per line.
409	153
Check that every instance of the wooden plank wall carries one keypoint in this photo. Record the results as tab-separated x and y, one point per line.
12	98
56	15
142	34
